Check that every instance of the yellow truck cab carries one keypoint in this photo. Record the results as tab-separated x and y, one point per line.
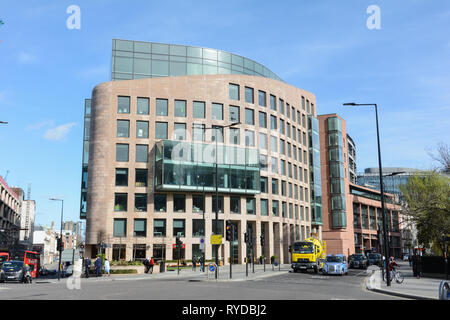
308	254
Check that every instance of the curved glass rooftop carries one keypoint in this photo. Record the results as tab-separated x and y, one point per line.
137	60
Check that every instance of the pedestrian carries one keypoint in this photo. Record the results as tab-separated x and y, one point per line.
202	264
87	266
151	264
147	265
414	264
107	267
194	263
98	266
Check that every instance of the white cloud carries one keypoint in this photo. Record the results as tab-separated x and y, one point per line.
60	132
44	123
26	58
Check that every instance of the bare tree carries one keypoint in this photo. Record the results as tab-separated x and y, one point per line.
443	157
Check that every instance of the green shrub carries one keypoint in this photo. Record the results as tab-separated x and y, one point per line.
123	271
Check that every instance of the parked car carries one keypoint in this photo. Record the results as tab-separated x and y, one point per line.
14	271
358	261
335	264
375	259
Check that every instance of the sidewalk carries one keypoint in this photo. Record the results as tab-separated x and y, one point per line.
411	288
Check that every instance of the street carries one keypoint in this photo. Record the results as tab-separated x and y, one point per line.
270	285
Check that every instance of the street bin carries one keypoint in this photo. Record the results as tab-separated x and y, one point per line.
162	266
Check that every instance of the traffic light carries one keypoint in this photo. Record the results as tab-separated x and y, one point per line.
59	244
262	239
230	231
246	237
179	243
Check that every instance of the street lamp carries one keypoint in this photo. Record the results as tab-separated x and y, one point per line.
60	236
217	187
380	173
3	122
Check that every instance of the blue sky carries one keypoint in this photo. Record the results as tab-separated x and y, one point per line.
47	70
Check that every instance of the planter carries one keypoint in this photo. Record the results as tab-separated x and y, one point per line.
139	269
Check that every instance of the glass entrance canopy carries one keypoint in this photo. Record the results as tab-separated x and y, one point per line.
186	166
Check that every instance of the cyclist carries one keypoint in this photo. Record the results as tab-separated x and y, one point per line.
392	264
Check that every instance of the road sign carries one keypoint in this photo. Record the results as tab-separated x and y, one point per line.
212	267
174	246
202	244
216	239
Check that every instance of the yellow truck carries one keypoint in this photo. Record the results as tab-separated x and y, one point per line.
308	254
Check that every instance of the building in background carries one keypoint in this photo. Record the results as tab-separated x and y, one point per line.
44	241
149	158
10	208
351	213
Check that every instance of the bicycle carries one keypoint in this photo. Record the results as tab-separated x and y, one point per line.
394	275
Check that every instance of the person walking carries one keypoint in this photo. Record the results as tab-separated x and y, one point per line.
98	266
151	264
202	264
194	263
107	267
147	265
87	266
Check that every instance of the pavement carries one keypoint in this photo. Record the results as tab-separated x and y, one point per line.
411	288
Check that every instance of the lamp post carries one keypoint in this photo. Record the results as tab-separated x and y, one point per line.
385	235
60	236
217	188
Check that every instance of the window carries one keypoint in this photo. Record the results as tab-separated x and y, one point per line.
198	203
140	227
235	205
263	141
179	228
161	130
159	227
123	128
198	228
121	177
141	177
262	98
264	182
179	203
273	122
282	147
214	204
273	102
282	126
199	110
180	108
141	153
249	138
141	129
218	229
263	162
140	202
160	202
281	106
162	107
122	152
123	105
199	132
179	131
120	201
143	105
287	110
283	188
264	203
217	133
249	98
249	117
217	111
251	206
274	186
120	228
275	210
273	144
233	90
283	209
274	165
234	136
234	114
262	120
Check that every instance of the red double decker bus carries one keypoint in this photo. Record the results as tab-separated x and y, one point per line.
31	258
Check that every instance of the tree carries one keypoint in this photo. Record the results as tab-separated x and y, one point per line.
428	205
443	157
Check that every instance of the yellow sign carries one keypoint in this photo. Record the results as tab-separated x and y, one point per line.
216	239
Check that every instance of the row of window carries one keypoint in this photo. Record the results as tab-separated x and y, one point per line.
368	217
198	205
178	228
249	97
